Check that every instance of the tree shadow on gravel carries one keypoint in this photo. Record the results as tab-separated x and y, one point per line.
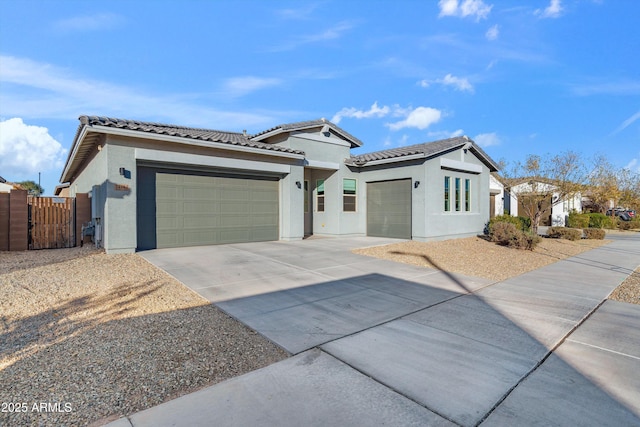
20	337
24	260
108	368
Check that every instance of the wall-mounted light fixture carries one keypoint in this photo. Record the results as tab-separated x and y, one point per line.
298	184
416	184
122	171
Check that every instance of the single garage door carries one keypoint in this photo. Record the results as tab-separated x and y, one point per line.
189	208
389	209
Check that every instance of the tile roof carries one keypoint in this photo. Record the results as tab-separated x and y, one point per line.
233	138
427	149
290	127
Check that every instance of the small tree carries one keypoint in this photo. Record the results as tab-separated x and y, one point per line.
545	182
603	184
607	184
629	185
32	187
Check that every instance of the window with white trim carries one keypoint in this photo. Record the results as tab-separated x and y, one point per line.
457	190
467	195
447	201
349	195
320	195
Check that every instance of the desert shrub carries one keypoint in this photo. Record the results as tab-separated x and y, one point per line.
597	220
624	225
594	233
532	241
577	220
506	234
519	222
502	232
565	233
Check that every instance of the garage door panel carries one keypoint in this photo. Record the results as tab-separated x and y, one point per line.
389	209
199	209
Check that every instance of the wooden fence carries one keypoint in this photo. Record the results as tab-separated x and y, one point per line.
51	222
41	222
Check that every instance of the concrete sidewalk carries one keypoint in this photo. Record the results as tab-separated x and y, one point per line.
430	348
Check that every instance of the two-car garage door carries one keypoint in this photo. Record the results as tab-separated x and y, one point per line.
180	208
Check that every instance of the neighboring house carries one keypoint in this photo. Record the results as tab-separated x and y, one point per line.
496	195
6	187
154	185
61	190
556	216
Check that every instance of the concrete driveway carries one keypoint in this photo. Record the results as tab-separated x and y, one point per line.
377	342
303	294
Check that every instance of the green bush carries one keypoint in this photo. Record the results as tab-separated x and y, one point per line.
506	234
594	233
521	223
597	220
578	220
611	223
526	223
565	233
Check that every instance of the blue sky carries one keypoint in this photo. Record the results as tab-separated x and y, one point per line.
518	77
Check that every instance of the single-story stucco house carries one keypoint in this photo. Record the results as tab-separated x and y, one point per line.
155	185
558	208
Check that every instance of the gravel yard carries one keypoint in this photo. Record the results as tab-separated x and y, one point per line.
474	256
96	336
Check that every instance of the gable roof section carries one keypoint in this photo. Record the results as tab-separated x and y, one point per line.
91	126
424	150
309	124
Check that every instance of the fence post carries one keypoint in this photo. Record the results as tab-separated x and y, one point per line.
18	221
4	221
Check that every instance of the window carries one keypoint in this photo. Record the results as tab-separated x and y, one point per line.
306	196
348	195
457	194
320	195
447	182
467	195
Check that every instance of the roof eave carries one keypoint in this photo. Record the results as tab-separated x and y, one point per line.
80	135
66	174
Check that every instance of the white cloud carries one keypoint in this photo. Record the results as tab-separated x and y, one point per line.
487	139
374	111
420	118
633	166
32	89
240	86
95	22
332	33
627	123
444	134
493	32
459	83
302	13
465	8
554	10
621	87
26	150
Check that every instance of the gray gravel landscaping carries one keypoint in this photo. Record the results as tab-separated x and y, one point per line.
88	337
